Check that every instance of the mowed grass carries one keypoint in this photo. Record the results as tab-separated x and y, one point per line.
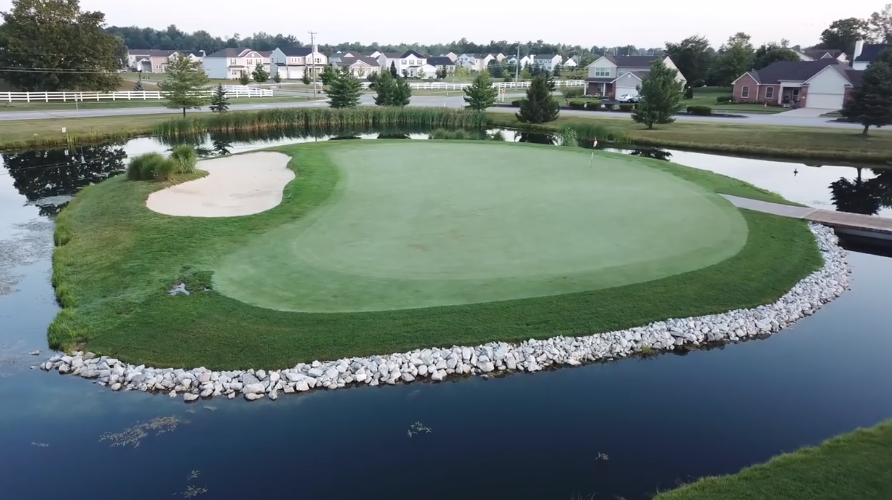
20	106
854	466
117	260
781	141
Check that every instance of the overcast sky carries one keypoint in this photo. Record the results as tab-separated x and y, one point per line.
643	23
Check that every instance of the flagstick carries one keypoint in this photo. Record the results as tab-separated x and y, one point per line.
592	160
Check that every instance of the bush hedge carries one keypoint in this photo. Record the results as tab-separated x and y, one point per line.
593	105
724	98
626	107
577	105
700	110
516	103
155	167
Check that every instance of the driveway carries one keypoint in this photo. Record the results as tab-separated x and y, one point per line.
804	113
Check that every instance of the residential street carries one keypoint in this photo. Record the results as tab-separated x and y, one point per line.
780	119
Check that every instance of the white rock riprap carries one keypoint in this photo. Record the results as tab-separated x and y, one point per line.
438	364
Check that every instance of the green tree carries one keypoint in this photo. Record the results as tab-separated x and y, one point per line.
243	78
771	53
344	90
138	87
871	102
393	72
881	25
277	78
692	56
392	91
306	80
557	70
843	33
219	101
660	96
420	74
480	94
185	84
495	69
328	75
526	74
539	105
735	58
69	43
259	74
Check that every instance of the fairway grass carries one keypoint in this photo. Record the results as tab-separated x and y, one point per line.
476	223
117	260
853	466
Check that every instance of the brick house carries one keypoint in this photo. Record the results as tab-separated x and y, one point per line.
824	84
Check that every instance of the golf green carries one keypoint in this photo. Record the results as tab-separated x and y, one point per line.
424	224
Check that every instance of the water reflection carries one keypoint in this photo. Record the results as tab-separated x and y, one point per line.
863	196
656	154
537	138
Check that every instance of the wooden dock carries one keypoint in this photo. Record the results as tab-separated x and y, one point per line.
865	226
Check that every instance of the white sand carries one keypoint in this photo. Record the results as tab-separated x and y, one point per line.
235	185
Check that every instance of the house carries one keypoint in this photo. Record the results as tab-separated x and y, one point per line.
477	62
818	54
292	63
438	63
547	61
865	53
156	61
613	76
361	66
230	63
337	56
406	63
524	61
451	55
572	62
823	84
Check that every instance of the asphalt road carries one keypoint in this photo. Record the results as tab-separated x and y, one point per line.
428	101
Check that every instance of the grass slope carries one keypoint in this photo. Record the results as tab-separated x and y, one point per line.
117	259
853	466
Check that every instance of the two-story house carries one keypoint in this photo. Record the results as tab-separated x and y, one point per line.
476	62
613	76
156	61
818	54
547	61
406	63
439	63
293	63
524	61
230	63
865	53
360	66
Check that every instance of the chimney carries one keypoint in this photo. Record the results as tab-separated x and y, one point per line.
859	46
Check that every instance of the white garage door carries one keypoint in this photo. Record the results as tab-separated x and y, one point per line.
626	90
824	101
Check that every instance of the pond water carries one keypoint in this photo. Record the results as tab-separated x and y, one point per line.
661	421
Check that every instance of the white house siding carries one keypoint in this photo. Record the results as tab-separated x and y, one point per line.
860	65
216	67
627	84
680	78
826	90
602	63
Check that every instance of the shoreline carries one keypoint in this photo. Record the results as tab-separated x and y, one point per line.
438	364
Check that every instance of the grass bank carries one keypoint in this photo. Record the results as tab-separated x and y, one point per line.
116	260
779	141
19	106
857	465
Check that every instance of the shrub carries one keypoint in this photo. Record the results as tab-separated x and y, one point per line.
689	93
593	105
577	105
571	92
185	158
151	166
700	110
724	98
497	136
569	137
516	103
626	107
165	169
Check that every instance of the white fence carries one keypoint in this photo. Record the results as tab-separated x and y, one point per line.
501	85
231	91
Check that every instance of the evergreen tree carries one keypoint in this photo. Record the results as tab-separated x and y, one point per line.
184	86
259	74
871	102
243	78
344	91
328	75
392	91
138	87
306	80
539	106
557	70
660	96
219	101
393	72
277	78
525	73
480	94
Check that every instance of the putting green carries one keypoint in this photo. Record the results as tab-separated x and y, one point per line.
424	224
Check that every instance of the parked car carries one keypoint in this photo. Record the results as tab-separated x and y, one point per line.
627	98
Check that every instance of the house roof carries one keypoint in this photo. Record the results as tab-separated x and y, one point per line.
393	55
412	53
151	52
297	51
871	51
854	76
822	53
196	53
633	61
440	61
796	71
229	52
350	61
600	79
545	56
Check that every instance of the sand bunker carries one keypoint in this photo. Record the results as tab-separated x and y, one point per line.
236	185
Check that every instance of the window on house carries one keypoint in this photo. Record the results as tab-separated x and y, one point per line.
745	92
769	92
602	71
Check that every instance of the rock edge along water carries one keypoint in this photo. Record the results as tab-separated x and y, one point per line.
437	364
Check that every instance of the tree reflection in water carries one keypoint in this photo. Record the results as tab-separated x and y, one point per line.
862	196
537	138
656	154
43	175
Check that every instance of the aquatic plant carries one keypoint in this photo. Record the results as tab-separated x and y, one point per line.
133	436
569	138
418	428
185	157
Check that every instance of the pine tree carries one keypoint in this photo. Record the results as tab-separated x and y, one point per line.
219	101
393	72
392	91
305	78
277	78
344	91
260	75
660	96
138	87
481	94
328	75
557	70
243	78
184	86
871	102
539	106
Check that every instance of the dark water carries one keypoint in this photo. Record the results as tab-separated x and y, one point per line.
660	421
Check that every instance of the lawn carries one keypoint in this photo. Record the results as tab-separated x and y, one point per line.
134	103
852	466
119	259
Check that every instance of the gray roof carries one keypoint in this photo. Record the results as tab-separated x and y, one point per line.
822	53
545	56
440	61
152	52
229	52
871	51
796	71
349	61
297	51
854	76
633	61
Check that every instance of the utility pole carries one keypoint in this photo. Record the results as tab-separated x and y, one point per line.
517	65
313	57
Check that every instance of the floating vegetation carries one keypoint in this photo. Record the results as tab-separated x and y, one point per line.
39	445
133	436
418	428
210	408
602	456
10	356
193	475
194	491
28	243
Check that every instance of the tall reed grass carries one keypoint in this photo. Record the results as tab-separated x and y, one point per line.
151	167
185	158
